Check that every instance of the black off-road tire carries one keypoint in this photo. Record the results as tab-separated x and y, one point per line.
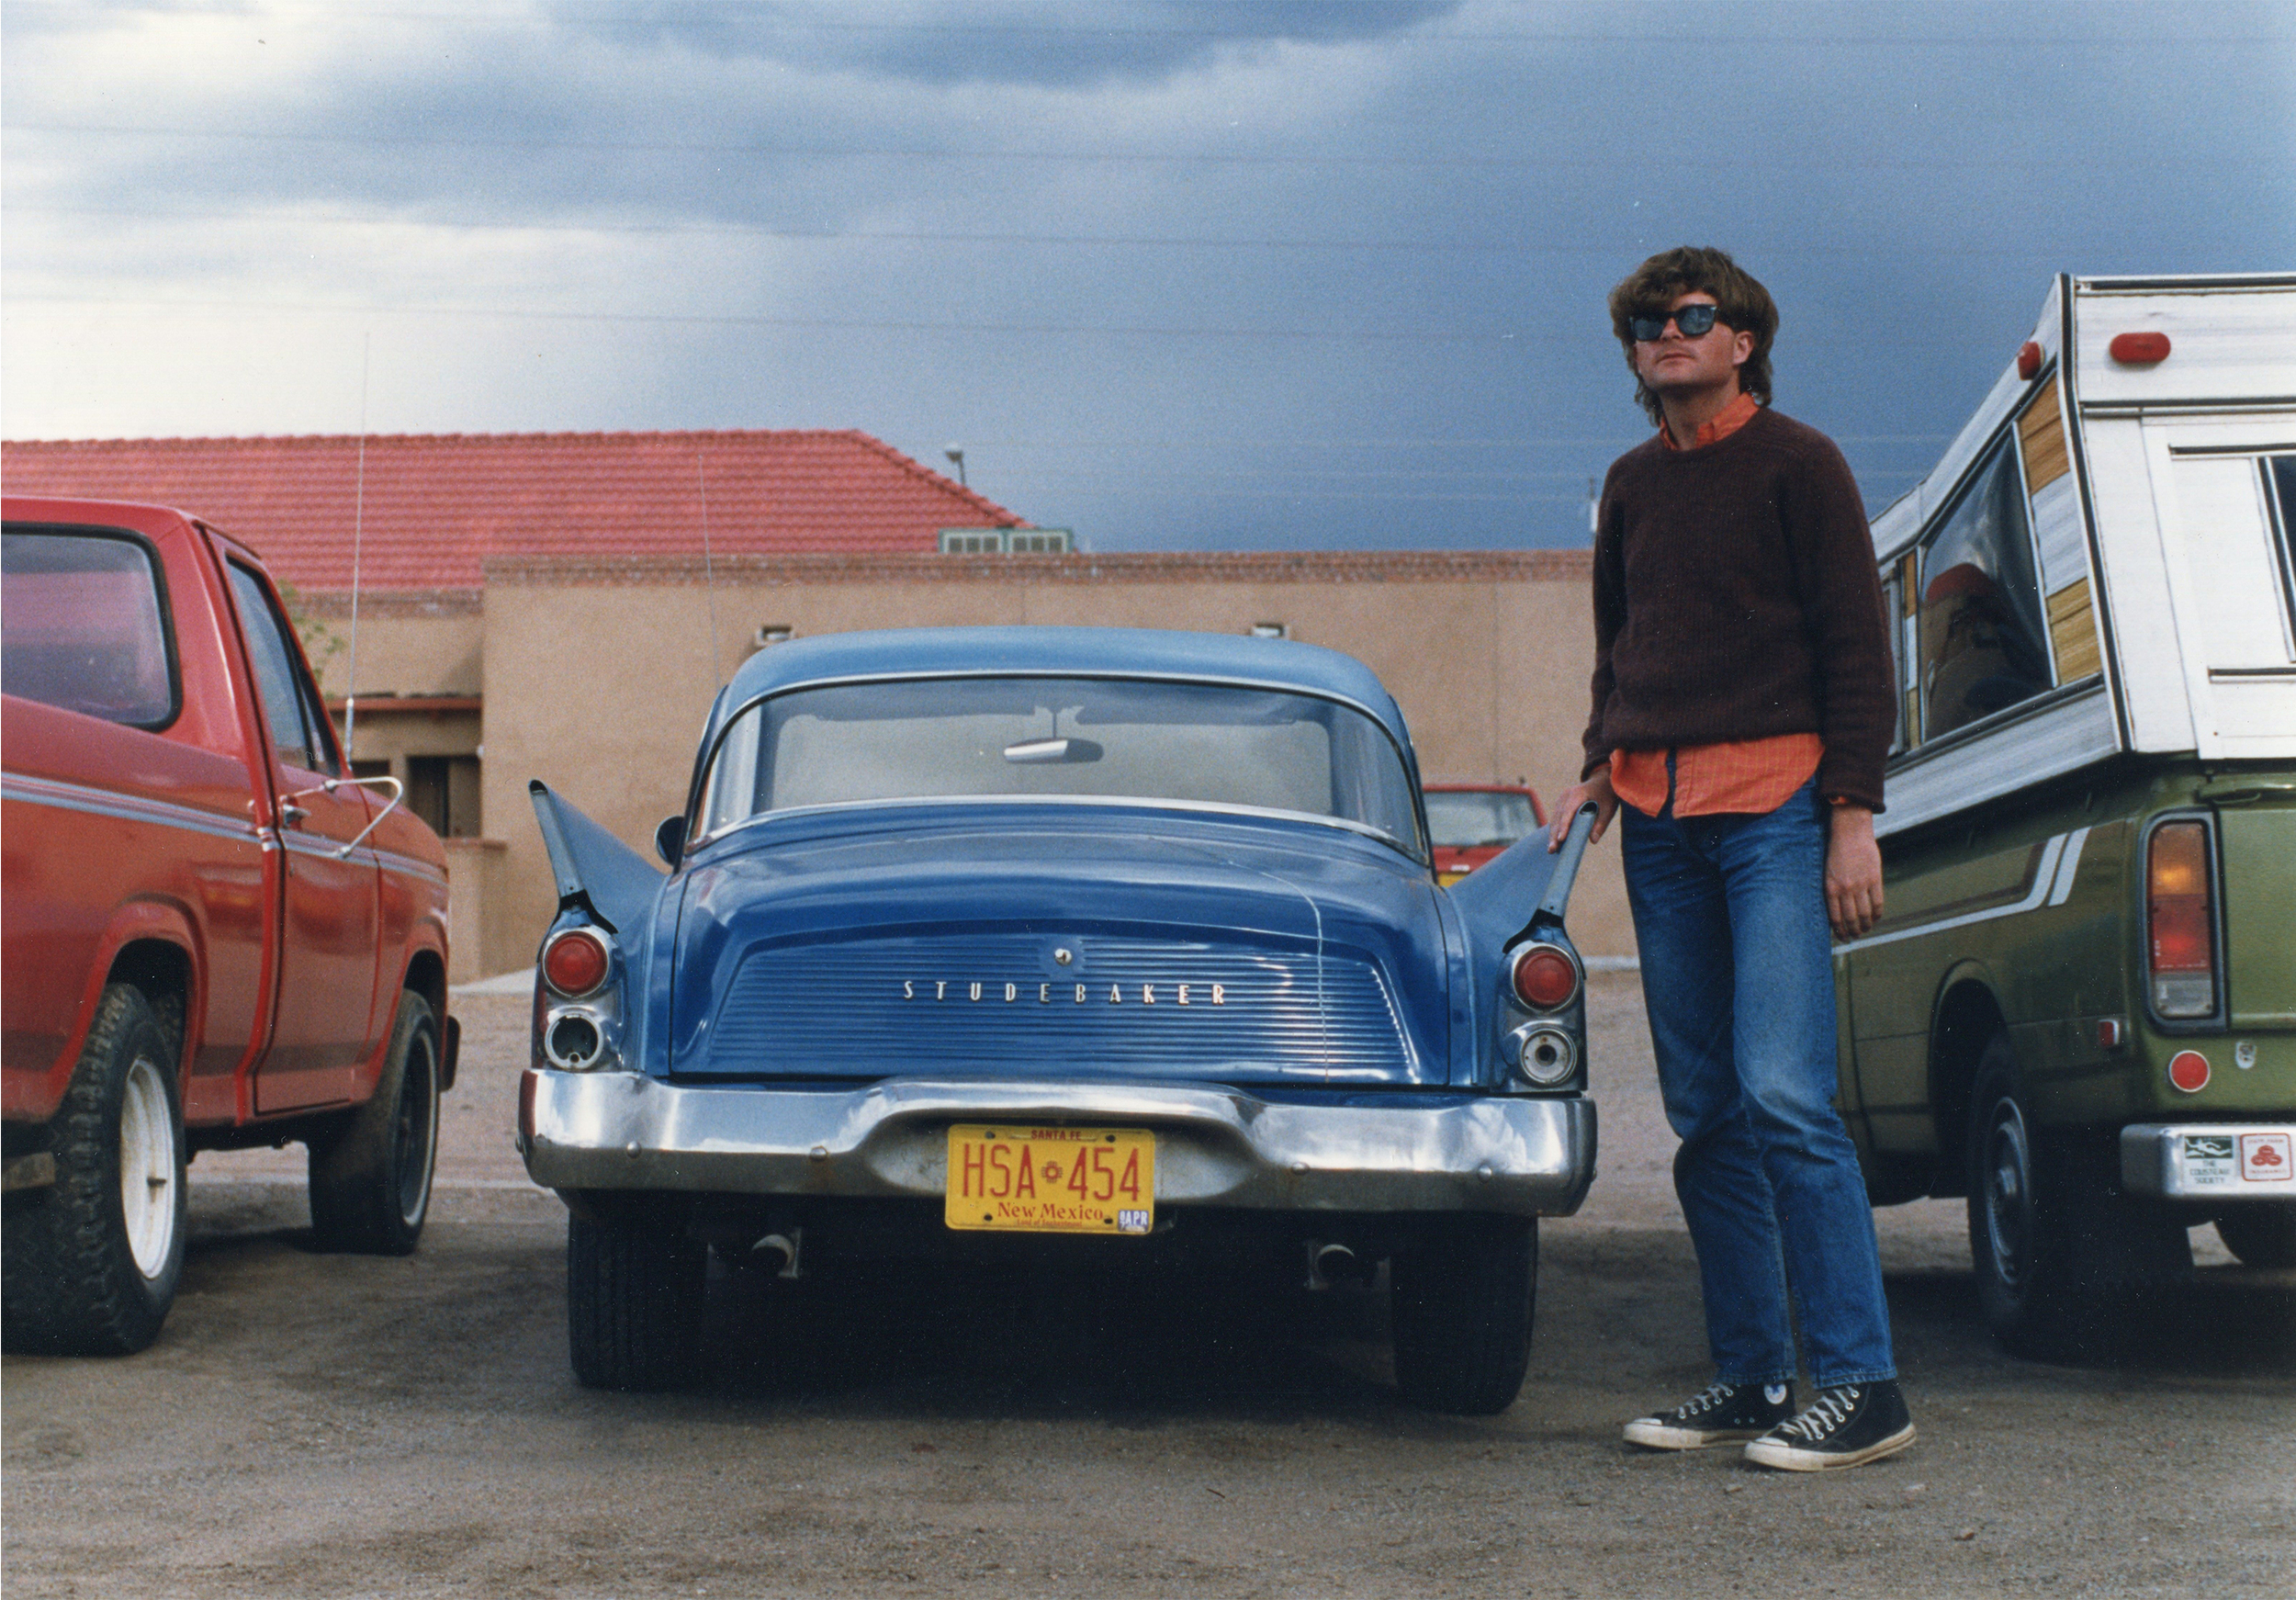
2262	1234
634	1291
370	1180
2054	1240
90	1269
1463	1297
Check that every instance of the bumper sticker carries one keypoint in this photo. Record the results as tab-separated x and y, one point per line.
2208	1160
2264	1157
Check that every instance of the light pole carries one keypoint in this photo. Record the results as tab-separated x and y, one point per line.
956	455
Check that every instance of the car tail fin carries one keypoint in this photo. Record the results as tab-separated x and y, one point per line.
596	872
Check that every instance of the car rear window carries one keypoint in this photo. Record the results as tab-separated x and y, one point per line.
1469	819
82	626
1058	737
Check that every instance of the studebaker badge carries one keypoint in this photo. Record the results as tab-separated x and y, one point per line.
1177	994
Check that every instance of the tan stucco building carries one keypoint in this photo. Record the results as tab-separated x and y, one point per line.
517	619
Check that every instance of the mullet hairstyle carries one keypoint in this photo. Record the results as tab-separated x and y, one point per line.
1745	307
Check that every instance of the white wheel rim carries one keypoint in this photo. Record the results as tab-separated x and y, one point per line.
146	1167
416	1134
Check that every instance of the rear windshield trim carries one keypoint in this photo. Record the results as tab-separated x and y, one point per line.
1119	802
717	737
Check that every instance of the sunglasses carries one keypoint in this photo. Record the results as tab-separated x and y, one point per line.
1695	320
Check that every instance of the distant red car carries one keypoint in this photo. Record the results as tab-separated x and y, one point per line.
1473	822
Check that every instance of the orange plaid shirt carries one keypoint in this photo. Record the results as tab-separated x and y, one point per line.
1747	774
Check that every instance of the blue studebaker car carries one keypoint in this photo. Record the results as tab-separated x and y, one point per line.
976	940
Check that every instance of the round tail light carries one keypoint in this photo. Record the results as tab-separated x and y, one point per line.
2189	1070
575	962
1546	977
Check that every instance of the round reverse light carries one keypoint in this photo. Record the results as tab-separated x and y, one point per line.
573	1041
1544	1057
1545	977
575	962
2189	1070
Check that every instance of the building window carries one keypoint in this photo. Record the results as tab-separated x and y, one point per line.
444	792
1271	630
1007	541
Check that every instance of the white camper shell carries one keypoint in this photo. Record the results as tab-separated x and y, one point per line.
2137	434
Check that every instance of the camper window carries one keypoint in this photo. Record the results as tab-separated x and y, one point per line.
1981	640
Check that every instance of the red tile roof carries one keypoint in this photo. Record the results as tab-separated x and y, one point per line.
436	505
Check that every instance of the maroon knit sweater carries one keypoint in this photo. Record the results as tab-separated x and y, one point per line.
1735	598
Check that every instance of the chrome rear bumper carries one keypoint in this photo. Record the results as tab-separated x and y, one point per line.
1215	1147
2213	1161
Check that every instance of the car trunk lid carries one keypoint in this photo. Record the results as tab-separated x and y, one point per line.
935	940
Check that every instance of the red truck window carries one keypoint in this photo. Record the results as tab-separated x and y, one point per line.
289	707
81	627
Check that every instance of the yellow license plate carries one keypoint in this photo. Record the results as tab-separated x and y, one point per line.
1051	1181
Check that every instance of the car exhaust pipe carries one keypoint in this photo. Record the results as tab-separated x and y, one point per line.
1330	1264
777	1254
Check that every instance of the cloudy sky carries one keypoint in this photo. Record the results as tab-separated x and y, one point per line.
1178	273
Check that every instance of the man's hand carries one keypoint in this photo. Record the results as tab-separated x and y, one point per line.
1853	872
1597	789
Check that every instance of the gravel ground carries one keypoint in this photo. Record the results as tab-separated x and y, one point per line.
334	1426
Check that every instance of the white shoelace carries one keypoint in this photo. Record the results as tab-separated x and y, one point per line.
1827	1413
1707	1400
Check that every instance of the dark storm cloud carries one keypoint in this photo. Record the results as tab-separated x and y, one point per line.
1060	44
1177	274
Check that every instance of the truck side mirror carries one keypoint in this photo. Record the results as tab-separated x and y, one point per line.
669	841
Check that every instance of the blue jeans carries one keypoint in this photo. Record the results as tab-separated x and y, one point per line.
1738	975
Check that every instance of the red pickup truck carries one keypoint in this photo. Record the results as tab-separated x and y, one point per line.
210	935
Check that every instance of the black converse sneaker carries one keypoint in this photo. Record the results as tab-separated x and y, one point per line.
1717	1414
1846	1426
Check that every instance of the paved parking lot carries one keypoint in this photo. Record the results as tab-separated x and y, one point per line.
334	1426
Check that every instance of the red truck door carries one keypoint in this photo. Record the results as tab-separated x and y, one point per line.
324	1022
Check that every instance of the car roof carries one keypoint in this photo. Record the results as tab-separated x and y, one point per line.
1284	664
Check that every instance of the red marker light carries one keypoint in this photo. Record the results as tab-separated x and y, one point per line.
1545	977
575	962
2138	349
2028	359
2189	1070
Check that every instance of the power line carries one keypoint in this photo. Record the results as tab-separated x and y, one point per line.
1545	162
931	236
653	17
847	324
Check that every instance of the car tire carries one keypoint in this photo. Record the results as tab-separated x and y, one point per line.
2262	1234
2053	1237
634	1290
370	1180
1464	1296
91	1264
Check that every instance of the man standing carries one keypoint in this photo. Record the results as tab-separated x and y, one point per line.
1743	704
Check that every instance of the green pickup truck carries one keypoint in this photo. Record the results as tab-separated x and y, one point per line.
2080	1011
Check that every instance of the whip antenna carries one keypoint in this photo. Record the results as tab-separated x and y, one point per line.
358	532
